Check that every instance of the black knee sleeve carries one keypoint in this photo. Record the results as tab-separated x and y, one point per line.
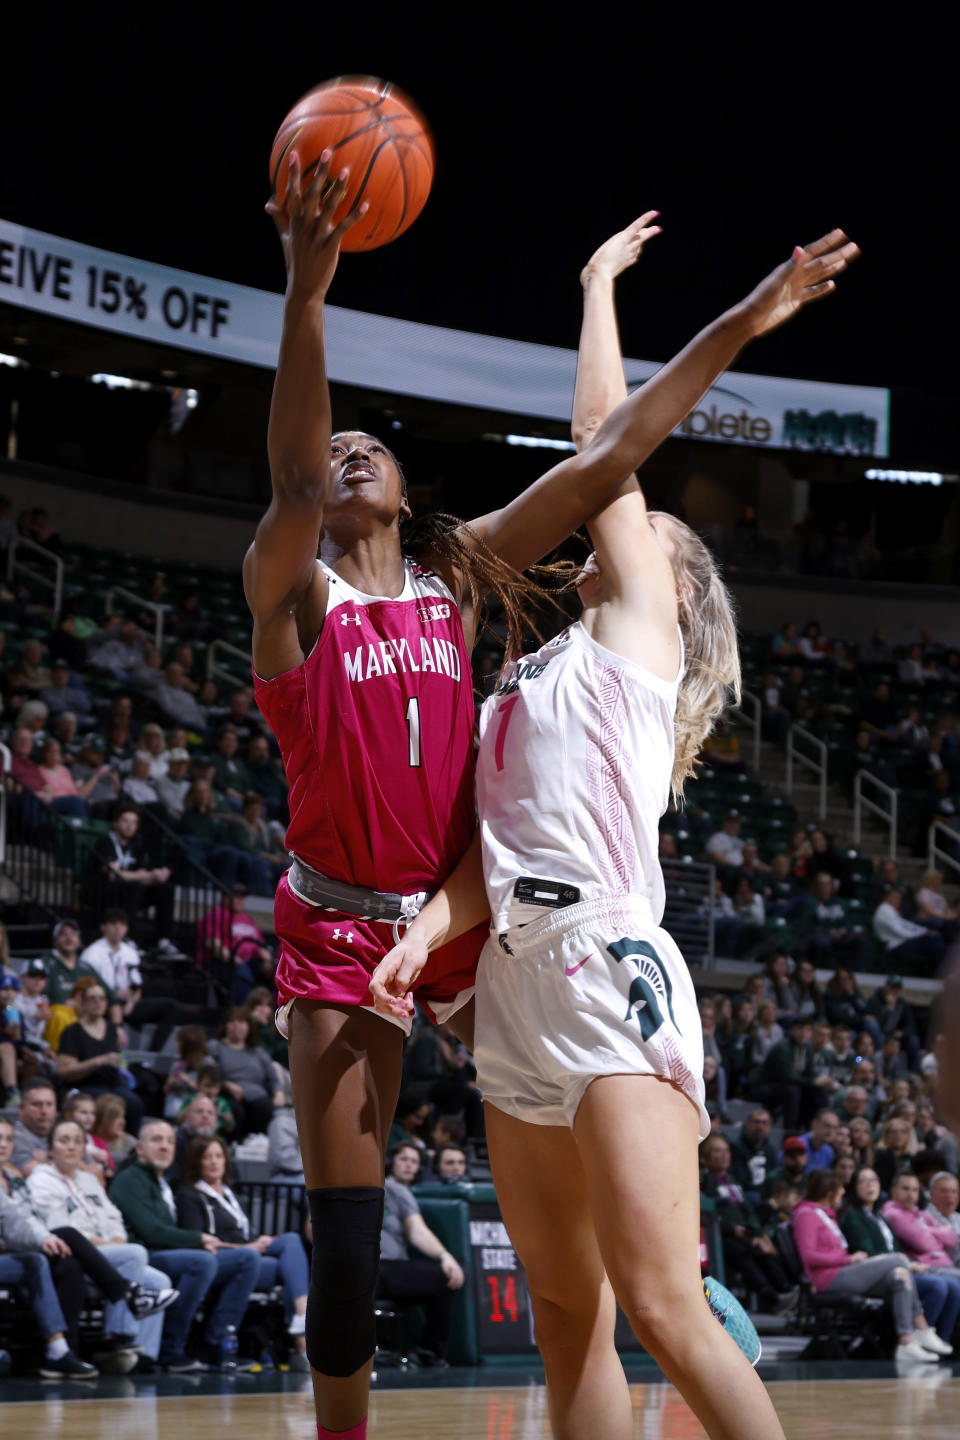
340	1329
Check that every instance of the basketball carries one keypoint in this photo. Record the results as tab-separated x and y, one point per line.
376	131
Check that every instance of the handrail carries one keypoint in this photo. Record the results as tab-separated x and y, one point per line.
690	909
753	721
861	803
56	584
49	860
819	768
158	610
213	669
934	853
4	772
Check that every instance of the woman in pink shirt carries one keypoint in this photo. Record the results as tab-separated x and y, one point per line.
919	1233
832	1269
228	935
60	791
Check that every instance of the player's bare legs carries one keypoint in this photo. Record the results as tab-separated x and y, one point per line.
543	1196
637	1139
345	1068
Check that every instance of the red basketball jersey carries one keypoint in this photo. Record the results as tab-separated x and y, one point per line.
376	732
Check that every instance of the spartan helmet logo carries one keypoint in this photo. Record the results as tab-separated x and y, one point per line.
651	991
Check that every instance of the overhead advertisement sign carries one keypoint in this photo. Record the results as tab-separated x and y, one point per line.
172	307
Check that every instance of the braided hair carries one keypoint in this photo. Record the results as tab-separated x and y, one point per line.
445	538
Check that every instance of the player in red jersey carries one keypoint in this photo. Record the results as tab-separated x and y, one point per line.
377	748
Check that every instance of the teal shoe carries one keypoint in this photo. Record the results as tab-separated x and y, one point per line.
733	1318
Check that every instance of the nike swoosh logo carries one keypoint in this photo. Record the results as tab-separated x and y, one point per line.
572	969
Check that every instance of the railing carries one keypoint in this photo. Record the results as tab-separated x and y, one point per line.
158	610
215	671
819	767
38	576
197	892
50	858
689	911
272	1207
41	855
861	803
936	852
4	772
750	713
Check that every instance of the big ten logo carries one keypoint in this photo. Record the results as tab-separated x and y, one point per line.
440	611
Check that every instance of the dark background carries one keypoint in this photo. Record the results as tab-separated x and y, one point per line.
149	132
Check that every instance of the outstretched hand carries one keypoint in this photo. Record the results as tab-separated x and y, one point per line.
621	250
810	274
396	975
305	222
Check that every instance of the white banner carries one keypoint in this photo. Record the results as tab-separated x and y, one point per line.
173	307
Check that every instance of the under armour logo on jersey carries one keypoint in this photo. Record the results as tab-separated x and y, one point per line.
350	619
650	990
347	935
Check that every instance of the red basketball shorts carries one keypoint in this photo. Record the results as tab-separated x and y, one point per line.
326	955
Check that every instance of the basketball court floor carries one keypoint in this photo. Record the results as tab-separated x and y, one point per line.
814	1401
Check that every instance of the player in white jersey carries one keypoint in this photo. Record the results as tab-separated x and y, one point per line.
589	1048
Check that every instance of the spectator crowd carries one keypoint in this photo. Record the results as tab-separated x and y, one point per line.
116	1170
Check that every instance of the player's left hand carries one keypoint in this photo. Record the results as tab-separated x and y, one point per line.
395	976
621	250
810	274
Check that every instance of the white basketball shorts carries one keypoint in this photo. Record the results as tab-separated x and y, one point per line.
592	989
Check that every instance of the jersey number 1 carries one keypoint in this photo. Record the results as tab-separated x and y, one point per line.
413	726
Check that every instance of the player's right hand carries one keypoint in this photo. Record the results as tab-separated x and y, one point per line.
305	223
395	976
621	250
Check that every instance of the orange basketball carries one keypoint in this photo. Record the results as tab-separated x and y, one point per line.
375	130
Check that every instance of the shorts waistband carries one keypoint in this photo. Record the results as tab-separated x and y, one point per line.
319	890
617	909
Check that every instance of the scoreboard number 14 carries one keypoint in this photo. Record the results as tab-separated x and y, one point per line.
503	1296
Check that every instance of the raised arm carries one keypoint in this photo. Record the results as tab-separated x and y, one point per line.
601	385
563	499
279	565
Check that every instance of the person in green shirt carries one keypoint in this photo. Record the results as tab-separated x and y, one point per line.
792	1167
412	1113
266	776
64	968
230	774
205	833
265	858
754	1155
746	1249
938	1296
788	1080
145	1200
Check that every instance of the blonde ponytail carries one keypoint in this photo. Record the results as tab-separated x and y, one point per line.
711	675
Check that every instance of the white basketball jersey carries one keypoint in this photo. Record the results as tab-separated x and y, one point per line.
573	774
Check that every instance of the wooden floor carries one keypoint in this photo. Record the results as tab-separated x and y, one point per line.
925	1405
